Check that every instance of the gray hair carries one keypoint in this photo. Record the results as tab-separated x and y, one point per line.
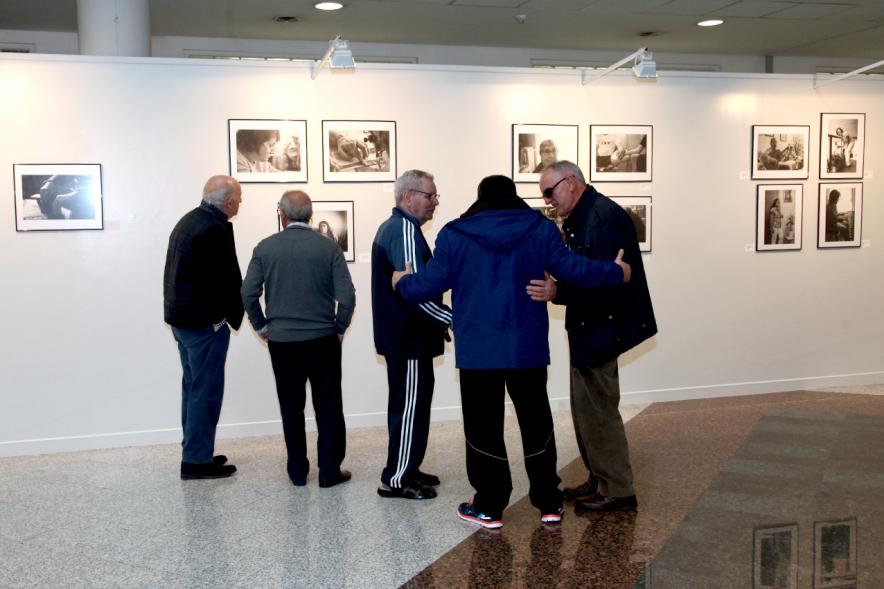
409	180
296	206
219	195
566	168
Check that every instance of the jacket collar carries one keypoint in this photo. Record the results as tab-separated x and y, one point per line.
214	211
400	212
584	205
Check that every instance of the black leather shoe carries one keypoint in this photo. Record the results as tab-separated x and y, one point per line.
219	459
412	491
210	470
426	479
602	503
582	490
342	477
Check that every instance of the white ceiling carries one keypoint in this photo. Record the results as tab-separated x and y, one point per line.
830	28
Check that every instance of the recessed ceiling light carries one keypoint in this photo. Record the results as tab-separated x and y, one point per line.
329	6
712	22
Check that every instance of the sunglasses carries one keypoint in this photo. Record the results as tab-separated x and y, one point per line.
548	192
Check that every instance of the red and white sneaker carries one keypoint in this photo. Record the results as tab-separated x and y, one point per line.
468	512
553	518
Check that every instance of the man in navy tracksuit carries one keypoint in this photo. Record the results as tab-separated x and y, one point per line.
487	257
408	336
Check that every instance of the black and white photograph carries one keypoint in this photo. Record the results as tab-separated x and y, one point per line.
537	203
621	153
57	197
842	145
268	150
639	210
778	217
840	215
334	219
536	147
775	557
358	151
779	152
834	554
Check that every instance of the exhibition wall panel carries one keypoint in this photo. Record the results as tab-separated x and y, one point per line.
88	362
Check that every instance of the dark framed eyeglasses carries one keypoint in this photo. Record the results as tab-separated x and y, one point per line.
548	192
429	195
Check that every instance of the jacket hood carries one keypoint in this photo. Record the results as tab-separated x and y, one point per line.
500	230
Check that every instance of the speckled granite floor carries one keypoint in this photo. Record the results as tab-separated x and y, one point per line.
709	475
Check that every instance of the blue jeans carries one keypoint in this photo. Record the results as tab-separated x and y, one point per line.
203	354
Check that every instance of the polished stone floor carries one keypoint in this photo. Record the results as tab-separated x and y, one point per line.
783	490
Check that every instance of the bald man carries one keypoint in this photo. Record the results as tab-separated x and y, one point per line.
201	302
303	275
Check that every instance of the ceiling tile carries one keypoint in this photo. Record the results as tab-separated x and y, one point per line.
689	7
751	9
807	11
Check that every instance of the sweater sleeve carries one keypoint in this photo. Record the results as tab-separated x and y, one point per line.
345	293
252	287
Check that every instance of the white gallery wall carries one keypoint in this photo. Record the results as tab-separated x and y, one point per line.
86	360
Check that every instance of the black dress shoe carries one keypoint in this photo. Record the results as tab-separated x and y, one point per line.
582	490
412	491
219	459
210	470
602	503
426	479
341	477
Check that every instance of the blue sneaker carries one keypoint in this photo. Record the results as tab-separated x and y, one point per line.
468	512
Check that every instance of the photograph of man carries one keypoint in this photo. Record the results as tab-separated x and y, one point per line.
841	155
408	336
487	258
547	151
309	301
783	155
602	324
201	302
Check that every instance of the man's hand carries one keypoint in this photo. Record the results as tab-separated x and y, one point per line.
263	334
627	269
542	290
397	274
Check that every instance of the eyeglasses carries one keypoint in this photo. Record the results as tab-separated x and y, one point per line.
548	192
429	195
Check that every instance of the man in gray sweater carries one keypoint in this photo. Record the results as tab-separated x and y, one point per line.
302	274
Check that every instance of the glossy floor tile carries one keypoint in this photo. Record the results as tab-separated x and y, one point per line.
779	490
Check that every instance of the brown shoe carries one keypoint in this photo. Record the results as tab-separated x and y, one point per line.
582	490
602	503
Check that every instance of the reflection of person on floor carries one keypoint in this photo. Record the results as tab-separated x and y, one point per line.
775	222
253	149
837	224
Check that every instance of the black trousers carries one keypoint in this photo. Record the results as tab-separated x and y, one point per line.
318	361
411	383
482	397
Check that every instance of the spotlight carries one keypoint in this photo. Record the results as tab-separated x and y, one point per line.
337	56
644	65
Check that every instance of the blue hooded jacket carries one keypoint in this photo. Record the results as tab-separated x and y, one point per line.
487	260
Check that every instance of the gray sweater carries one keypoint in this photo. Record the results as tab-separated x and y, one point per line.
303	274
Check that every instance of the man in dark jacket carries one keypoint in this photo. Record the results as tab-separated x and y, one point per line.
602	324
486	258
408	336
201	302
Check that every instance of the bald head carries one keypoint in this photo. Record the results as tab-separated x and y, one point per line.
296	206
224	193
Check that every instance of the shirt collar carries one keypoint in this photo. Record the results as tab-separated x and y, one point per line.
215	211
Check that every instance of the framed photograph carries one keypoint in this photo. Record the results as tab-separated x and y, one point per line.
775	557
842	145
539	204
779	152
834	554
334	219
639	210
840	218
536	147
358	151
57	197
268	150
621	153
778	216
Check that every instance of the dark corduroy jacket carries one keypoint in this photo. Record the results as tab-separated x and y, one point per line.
202	277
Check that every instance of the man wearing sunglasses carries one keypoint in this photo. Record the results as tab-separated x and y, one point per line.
602	324
408	336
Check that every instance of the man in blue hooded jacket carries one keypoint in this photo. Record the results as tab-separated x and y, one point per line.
486	258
